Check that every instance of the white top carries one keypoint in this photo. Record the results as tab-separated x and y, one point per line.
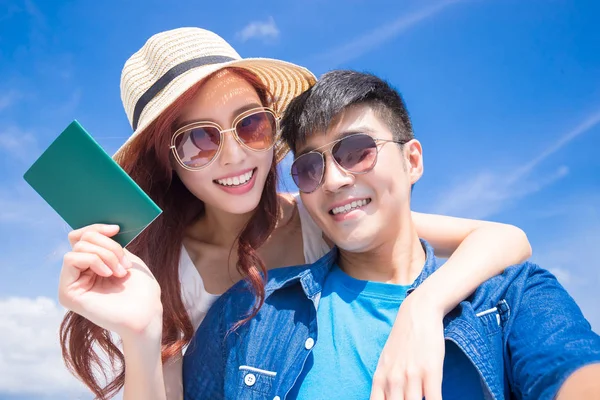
197	300
314	245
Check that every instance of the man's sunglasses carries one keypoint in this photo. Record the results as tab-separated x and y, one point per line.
356	153
197	144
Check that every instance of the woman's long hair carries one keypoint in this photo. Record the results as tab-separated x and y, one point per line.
148	162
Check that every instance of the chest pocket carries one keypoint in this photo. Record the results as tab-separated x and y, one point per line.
493	321
255	383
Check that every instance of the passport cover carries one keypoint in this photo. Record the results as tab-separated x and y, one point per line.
85	186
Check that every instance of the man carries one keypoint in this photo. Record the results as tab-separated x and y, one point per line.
519	335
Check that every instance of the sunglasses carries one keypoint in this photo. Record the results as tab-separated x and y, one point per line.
197	144
356	153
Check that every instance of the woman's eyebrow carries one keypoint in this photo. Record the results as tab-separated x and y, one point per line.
234	114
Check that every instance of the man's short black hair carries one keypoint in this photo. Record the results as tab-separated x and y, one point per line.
314	110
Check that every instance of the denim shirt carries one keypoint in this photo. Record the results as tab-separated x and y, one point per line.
521	330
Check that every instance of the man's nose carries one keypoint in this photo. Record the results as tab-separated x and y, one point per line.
335	177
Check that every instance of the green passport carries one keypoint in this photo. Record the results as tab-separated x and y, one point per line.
86	186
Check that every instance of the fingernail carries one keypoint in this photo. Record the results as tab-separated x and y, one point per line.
126	262
121	270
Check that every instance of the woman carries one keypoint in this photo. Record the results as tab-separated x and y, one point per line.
205	149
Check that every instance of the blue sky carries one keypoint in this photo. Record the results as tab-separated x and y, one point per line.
504	95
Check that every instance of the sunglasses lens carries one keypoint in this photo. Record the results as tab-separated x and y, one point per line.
307	171
257	131
198	146
356	153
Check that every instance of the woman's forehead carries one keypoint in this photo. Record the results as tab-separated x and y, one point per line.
219	97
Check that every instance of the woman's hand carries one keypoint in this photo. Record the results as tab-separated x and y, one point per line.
108	285
411	364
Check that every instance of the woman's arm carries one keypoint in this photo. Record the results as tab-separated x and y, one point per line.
478	250
143	365
411	363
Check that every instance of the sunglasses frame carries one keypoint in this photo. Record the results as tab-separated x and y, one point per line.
236	120
330	146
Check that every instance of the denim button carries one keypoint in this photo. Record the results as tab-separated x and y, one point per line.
310	342
276	398
250	379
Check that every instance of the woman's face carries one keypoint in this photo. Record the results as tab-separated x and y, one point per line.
234	180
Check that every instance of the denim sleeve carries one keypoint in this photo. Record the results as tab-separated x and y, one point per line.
549	338
204	362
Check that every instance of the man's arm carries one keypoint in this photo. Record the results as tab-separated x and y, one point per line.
550	345
582	384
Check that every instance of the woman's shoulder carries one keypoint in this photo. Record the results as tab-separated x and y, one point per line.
314	245
288	199
288	206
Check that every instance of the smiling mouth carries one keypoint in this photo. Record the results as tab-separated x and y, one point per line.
349	207
235	181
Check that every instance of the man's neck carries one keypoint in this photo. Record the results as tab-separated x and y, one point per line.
398	260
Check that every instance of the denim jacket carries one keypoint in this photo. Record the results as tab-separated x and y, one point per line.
521	330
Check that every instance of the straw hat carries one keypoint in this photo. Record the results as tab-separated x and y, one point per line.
171	62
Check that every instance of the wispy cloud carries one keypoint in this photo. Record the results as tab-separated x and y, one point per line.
264	30
70	105
22	208
568	250
488	192
18	143
9	98
8	10
586	125
375	38
34	12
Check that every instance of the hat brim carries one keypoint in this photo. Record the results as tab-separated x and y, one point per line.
284	80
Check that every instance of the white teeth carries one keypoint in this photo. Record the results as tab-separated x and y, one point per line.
350	206
237	180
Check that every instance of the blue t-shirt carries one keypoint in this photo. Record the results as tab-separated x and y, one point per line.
355	319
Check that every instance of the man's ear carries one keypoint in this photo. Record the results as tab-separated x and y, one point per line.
414	160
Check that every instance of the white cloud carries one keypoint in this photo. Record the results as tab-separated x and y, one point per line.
266	30
30	357
488	192
367	42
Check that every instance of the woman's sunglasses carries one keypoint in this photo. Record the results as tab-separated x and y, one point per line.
356	153
197	144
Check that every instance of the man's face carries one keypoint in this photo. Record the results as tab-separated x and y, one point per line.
385	189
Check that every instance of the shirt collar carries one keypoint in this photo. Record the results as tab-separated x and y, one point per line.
312	276
429	268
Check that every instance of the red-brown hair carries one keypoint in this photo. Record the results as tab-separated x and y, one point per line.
148	162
